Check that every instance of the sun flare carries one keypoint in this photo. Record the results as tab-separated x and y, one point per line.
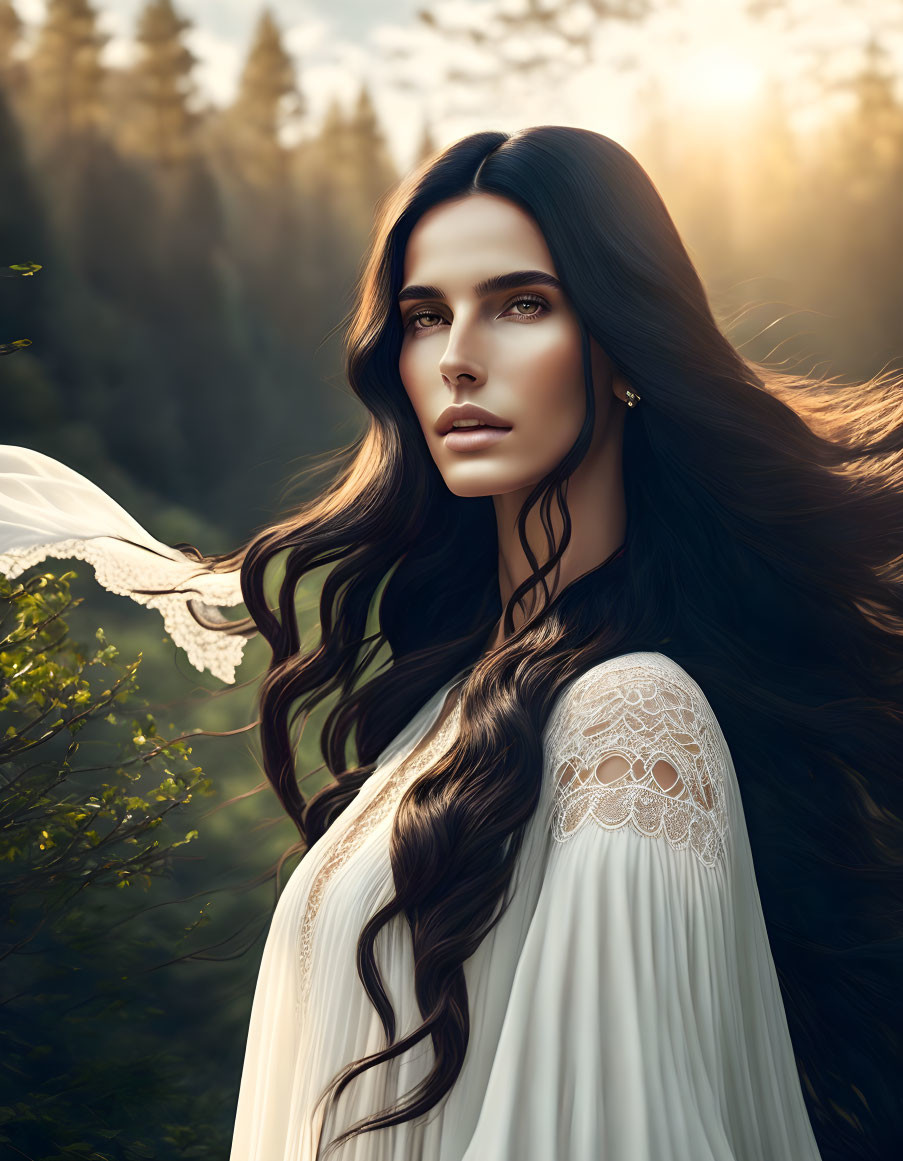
717	76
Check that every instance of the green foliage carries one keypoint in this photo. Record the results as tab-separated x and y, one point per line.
92	794
58	838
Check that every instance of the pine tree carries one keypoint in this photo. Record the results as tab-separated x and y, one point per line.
13	71
326	163
160	126
263	210
65	74
872	138
341	174
325	174
267	97
862	175
10	34
375	172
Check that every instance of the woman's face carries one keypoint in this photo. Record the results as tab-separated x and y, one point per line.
511	348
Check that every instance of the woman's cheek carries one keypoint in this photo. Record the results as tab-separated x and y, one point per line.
555	404
554	365
413	378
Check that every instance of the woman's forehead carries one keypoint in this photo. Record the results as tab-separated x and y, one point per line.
474	237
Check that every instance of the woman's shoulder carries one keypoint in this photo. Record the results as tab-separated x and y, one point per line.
641	686
628	673
640	689
634	739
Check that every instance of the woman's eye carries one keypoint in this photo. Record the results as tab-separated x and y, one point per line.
529	302
429	320
424	314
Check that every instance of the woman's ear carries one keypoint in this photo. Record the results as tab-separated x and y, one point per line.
604	369
620	386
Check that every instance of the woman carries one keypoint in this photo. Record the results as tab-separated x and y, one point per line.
528	924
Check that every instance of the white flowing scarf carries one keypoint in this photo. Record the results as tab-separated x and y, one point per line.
49	510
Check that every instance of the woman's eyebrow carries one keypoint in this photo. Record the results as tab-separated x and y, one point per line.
489	285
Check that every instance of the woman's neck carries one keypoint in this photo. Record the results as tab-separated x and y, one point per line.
594	494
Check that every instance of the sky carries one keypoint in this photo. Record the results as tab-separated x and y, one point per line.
708	58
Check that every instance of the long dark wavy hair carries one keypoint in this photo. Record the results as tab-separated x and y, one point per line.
763	553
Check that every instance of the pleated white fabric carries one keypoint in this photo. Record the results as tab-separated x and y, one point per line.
626	1006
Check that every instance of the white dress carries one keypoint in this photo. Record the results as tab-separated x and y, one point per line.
624	1008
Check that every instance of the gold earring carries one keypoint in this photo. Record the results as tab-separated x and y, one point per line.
632	398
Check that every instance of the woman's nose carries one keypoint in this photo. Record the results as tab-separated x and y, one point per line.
460	358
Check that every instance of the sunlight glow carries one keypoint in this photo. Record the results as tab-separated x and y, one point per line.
715	76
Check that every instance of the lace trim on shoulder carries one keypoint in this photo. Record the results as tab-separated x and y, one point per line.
384	802
638	745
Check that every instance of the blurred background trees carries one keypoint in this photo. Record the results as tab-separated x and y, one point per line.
193	263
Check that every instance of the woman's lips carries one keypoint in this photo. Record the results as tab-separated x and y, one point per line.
474	438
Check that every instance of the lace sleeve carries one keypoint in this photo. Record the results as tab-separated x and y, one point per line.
49	510
637	744
644	1019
